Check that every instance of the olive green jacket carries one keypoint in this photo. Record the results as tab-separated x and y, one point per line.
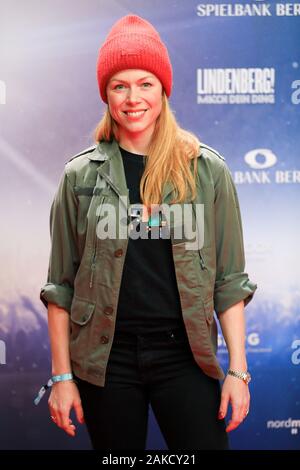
85	272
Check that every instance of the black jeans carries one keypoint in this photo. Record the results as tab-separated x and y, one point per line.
156	368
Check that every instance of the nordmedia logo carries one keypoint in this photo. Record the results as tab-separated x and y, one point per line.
292	424
184	223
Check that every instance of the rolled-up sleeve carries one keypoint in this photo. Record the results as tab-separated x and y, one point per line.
232	284
64	259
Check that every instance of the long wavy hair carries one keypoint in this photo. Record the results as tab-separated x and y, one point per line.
169	157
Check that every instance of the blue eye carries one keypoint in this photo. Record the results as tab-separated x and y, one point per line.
145	83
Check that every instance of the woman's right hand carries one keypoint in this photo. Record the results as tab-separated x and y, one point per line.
63	397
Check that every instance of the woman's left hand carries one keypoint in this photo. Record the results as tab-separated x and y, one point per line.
235	392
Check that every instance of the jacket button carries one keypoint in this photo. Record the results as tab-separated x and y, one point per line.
104	339
108	310
118	253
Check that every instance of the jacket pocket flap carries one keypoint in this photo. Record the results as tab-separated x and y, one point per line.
81	310
209	309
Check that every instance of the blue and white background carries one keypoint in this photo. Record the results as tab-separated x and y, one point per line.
237	86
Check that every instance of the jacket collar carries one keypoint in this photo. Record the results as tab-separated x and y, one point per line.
112	169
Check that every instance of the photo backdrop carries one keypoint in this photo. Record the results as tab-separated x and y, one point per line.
237	86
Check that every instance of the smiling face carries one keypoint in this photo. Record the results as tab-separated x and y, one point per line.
135	100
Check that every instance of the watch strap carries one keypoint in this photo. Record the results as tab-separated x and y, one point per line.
245	376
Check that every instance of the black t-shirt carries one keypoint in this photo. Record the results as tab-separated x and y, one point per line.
149	299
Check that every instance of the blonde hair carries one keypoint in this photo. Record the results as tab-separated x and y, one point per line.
169	156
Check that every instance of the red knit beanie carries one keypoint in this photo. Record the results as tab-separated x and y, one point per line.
133	43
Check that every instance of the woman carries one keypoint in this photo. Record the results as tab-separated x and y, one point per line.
131	317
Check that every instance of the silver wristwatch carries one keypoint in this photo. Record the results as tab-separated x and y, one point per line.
245	376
